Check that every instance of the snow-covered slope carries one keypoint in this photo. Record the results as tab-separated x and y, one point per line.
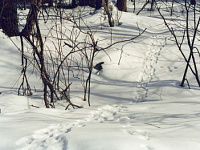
136	101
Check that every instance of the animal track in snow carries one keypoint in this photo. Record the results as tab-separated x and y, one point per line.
171	69
146	147
143	135
148	69
105	113
54	136
139	134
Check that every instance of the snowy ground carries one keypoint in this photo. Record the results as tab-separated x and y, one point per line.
136	105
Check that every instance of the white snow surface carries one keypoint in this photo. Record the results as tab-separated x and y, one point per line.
136	104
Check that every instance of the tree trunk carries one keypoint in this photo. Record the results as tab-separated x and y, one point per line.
106	9
50	3
122	5
24	4
193	2
83	2
98	4
8	17
74	3
152	5
30	21
107	4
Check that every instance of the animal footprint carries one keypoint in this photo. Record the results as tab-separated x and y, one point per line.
146	147
175	67
140	134
169	69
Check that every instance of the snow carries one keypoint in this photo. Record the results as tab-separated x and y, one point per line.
136	101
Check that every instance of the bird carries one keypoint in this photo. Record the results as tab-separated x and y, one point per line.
98	67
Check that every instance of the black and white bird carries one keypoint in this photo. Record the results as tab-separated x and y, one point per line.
98	67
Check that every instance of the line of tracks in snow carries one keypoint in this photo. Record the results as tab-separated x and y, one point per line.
148	69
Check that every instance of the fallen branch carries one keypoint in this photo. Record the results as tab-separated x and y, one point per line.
152	125
34	106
